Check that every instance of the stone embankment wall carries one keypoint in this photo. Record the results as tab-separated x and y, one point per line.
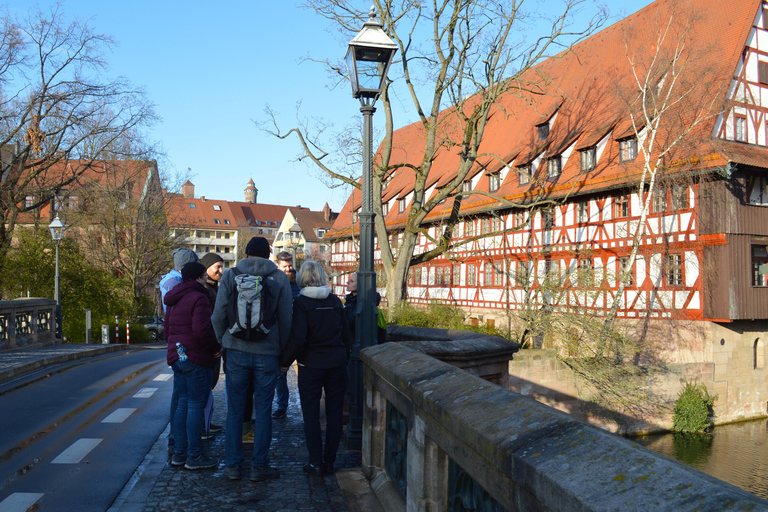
732	364
26	322
434	434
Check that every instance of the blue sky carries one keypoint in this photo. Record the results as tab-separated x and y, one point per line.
210	69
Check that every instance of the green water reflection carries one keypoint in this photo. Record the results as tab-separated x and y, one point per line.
737	454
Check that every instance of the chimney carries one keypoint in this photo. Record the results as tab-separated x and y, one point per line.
327	213
202	198
188	190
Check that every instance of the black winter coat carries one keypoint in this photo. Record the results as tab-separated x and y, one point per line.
320	336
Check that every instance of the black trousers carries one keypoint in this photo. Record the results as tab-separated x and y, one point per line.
312	383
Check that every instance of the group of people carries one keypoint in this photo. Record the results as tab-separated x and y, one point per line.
308	324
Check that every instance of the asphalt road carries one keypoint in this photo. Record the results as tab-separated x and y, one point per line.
72	435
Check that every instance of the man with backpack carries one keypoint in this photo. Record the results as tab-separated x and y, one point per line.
252	320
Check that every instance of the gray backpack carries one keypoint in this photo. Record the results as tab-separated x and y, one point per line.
250	315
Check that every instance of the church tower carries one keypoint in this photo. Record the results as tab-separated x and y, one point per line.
251	192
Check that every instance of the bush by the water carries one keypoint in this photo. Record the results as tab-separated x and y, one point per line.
693	408
438	316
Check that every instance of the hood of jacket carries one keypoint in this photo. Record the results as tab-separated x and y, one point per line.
315	292
256	266
180	290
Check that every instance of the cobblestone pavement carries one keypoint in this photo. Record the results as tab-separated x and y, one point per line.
178	489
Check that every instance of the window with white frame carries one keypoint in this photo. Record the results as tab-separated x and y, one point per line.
29	202
524	174
554	167
587	159
759	265
401	205
757	189
627	150
674	269
542	131
621	206
385	209
471	276
740	128
74	203
494	182
58	203
626	270
466	186
660	200
519	218
216	208
679	197
582	212
456	275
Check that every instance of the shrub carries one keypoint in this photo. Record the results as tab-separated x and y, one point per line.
693	408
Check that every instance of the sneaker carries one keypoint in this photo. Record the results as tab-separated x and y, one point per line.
201	462
248	438
313	469
261	474
215	429
278	414
233	472
206	437
178	459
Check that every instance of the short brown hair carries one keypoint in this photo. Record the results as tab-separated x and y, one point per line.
284	256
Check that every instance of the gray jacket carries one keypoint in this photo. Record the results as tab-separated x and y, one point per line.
279	291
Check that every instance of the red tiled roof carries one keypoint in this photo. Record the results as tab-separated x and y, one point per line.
583	93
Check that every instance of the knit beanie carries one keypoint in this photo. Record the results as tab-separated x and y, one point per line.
258	246
210	258
192	270
181	256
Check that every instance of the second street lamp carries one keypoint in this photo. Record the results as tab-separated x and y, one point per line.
368	58
57	233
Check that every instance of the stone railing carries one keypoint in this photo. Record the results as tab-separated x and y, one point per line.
27	321
436	437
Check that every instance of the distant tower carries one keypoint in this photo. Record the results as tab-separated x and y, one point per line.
188	190
251	192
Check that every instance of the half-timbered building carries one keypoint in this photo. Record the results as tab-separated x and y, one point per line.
563	190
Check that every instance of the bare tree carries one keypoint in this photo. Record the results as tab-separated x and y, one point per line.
59	112
456	59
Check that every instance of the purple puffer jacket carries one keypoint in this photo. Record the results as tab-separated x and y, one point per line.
188	321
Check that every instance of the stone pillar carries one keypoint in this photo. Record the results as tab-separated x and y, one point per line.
374	433
427	472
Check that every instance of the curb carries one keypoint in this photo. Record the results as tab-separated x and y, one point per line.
32	366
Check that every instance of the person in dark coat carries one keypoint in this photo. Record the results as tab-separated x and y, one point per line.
192	352
214	266
321	343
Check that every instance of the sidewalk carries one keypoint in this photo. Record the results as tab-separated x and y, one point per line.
157	486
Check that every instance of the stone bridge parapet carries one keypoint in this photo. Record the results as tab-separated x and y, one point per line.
436	437
27	322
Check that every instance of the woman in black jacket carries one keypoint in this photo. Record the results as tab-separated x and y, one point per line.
321	343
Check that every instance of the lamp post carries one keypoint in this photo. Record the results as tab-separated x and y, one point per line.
368	58
57	233
295	234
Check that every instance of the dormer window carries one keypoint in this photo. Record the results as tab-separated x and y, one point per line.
588	159
554	166
354	216
494	182
525	174
627	150
542	131
400	205
466	186
192	206
385	209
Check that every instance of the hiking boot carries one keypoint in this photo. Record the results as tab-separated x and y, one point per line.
233	472
278	414
313	469
201	462
178	459
261	474
248	438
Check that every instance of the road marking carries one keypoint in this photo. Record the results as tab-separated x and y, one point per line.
76	452
145	393
19	501
119	416
163	377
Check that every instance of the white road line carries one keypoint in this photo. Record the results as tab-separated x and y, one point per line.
145	393
163	377
76	452
119	416
19	501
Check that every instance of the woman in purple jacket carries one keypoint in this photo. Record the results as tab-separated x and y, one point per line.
192	353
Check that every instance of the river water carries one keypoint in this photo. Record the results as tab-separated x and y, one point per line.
736	453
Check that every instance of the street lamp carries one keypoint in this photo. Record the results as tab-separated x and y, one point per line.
368	58
57	233
295	234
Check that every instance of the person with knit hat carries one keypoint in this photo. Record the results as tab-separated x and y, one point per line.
214	265
252	361
181	257
192	352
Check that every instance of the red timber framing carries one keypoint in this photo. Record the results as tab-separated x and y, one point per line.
706	230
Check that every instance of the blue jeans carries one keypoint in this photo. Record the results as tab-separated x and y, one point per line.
244	368
194	385
281	391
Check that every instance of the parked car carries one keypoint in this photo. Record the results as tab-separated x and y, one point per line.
153	324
